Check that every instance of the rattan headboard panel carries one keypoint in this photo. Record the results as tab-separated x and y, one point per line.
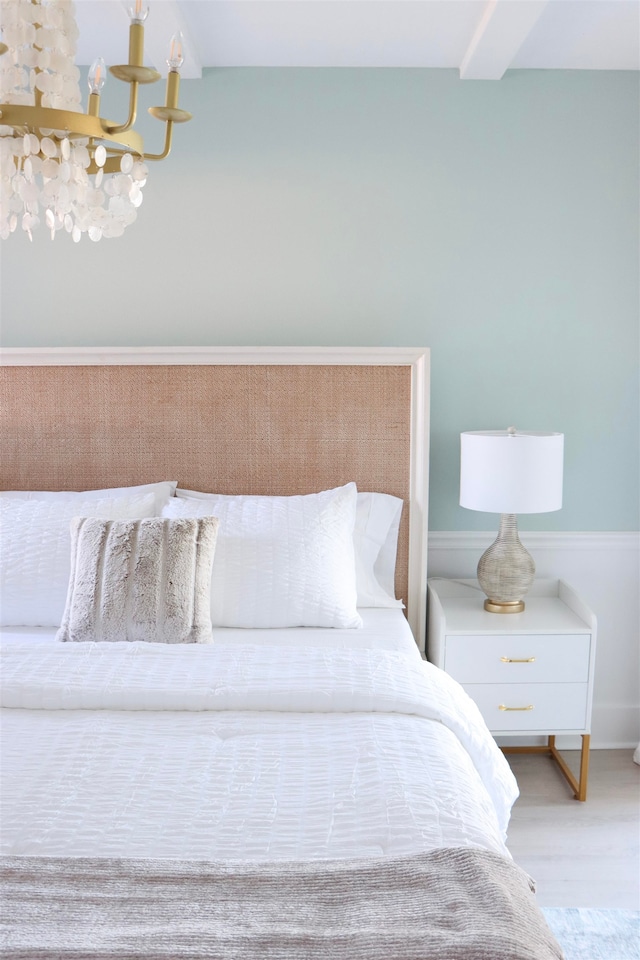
262	429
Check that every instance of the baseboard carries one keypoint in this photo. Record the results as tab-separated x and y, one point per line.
613	722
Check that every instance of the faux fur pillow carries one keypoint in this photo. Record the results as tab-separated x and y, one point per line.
140	580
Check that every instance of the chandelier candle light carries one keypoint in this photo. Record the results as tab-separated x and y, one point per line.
76	171
509	472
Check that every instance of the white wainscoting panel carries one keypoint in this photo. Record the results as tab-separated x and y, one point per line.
605	569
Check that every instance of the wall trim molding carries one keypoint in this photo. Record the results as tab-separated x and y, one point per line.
98	356
538	539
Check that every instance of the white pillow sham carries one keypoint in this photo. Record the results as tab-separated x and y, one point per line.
281	561
35	549
161	491
375	541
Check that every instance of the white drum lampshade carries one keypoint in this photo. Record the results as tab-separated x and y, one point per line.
509	472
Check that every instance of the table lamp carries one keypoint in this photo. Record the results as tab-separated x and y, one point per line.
509	472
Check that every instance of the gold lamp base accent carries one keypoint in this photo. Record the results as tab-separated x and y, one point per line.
506	606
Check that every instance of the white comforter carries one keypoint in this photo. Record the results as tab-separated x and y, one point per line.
242	750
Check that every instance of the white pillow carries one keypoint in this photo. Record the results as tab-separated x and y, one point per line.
375	540
161	491
281	561
35	549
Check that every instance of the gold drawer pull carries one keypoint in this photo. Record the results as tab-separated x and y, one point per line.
514	660
502	707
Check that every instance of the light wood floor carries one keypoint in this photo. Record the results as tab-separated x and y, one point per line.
580	854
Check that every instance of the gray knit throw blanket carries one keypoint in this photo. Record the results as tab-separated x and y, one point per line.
451	904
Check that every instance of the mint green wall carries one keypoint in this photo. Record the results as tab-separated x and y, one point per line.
495	222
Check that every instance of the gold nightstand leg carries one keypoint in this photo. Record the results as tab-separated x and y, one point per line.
579	787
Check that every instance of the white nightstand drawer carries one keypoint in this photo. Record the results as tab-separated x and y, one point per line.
542	658
543	707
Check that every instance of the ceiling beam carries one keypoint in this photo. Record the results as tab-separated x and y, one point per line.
504	27
165	19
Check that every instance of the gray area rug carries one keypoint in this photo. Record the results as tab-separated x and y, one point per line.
596	934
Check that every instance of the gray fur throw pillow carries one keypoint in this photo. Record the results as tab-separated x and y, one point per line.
140	580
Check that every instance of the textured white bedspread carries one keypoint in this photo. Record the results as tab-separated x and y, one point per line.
241	749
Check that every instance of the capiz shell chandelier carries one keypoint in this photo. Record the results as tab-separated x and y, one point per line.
70	170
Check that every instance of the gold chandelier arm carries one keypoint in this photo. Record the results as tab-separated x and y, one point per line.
169	114
133	111
133	73
167	143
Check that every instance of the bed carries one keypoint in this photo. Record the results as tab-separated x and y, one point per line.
299	782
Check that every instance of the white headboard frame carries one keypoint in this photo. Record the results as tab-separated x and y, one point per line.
417	358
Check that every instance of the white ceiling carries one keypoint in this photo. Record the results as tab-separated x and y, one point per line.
480	38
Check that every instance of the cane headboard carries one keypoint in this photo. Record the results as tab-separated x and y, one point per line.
230	420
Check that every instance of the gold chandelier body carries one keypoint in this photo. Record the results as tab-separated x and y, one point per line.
28	130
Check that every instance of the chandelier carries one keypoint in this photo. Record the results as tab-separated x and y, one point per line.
75	171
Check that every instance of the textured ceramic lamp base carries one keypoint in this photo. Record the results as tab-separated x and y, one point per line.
506	570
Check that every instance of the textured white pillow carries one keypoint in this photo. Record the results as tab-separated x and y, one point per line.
35	545
161	491
375	541
281	561
147	580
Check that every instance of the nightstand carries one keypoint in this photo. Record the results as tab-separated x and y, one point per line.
530	673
